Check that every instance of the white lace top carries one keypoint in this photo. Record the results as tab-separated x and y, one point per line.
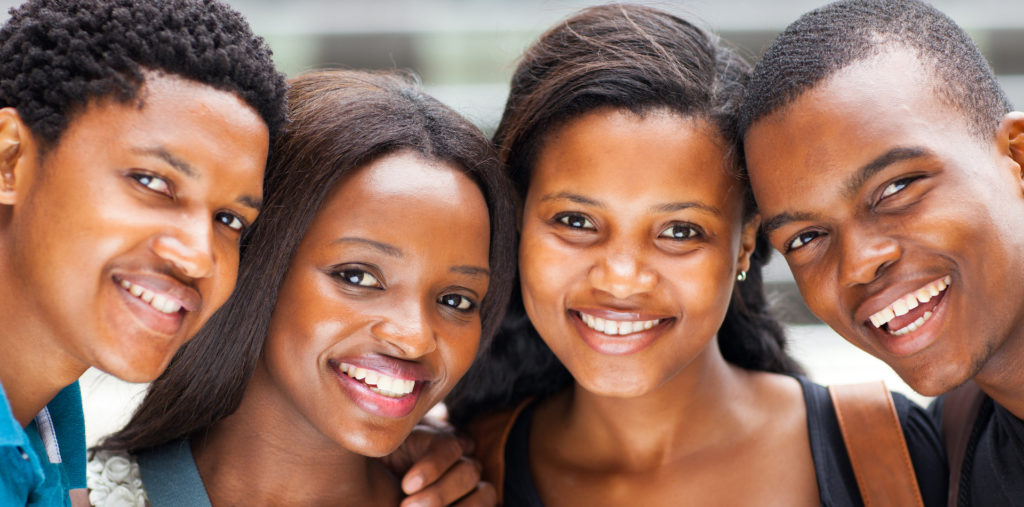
114	481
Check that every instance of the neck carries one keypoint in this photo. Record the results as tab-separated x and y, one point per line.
34	366
1002	376
690	412
261	456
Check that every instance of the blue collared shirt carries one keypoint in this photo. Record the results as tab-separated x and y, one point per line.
40	463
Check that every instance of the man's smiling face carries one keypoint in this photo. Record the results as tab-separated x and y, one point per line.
901	227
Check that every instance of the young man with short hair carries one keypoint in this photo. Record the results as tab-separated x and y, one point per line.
133	138
887	166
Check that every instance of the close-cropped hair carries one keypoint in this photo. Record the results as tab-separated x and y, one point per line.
58	55
641	60
831	38
340	121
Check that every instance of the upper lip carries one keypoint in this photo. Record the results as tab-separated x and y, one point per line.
390	366
890	294
620	315
188	297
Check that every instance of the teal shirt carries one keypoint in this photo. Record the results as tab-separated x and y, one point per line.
29	473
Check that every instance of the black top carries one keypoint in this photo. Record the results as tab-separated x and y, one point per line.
993	468
837	485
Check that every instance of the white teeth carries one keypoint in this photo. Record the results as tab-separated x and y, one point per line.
913	325
158	301
617	327
378	382
908	302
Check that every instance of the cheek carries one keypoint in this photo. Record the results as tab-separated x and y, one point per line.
546	268
458	353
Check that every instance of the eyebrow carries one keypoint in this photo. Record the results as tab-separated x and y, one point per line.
185	168
679	206
175	162
781	219
383	248
852	184
881	162
474	271
576	198
658	208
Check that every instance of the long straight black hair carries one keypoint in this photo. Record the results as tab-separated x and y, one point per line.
339	121
637	59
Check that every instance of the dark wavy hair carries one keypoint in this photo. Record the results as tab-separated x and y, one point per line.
340	121
58	55
637	59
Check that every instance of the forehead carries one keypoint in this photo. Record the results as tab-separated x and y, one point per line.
612	152
402	196
814	146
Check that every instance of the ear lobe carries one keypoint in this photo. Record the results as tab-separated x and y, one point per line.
748	241
12	132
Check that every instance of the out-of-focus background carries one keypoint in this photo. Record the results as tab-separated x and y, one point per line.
465	51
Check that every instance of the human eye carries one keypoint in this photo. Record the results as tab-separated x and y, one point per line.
457	302
897	186
680	232
153	182
801	240
575	221
359	278
231	221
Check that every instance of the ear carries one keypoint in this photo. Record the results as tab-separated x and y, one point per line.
12	149
748	241
1010	138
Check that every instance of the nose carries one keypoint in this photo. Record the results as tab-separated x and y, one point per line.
188	247
407	330
622	273
864	255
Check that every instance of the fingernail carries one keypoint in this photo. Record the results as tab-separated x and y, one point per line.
415	484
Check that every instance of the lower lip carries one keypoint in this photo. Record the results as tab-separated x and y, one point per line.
378	404
620	345
156	321
917	340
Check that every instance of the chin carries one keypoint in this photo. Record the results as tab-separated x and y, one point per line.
615	387
930	381
136	369
373	443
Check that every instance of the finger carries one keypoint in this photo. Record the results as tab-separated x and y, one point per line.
457	482
484	496
443	452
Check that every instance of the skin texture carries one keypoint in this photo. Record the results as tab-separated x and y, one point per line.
610	197
153	192
371	287
870	227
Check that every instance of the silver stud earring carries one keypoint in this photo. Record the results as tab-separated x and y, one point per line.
742	276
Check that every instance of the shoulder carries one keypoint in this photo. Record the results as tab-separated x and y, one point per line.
490	433
114	480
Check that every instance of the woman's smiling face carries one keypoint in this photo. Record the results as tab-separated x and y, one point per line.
379	314
632	236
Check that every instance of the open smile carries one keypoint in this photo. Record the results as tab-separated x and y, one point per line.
392	395
911	322
157	304
618	335
910	311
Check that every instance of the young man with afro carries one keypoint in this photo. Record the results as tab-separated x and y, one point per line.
887	166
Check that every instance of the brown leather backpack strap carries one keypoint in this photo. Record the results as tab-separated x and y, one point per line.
876	446
960	409
490	436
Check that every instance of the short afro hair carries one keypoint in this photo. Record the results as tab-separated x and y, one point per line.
58	55
830	38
